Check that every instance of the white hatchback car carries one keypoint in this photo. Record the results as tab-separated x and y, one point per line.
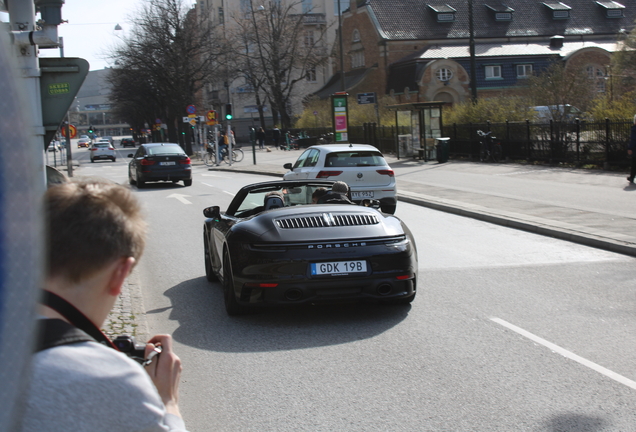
361	166
102	150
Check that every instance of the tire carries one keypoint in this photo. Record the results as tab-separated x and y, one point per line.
209	272
209	159
131	181
232	306
92	160
238	155
496	153
114	159
187	182
388	208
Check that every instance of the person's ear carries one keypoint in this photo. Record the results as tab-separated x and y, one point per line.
120	273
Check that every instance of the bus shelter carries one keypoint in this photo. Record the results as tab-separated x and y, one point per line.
419	126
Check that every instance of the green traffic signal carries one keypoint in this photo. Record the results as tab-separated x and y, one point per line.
228	111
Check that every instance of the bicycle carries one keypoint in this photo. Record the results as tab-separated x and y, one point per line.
488	148
210	157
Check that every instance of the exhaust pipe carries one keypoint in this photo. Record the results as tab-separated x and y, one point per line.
293	294
385	289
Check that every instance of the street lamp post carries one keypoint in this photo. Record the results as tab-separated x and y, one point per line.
342	76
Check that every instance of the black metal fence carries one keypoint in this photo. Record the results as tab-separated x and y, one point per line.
581	142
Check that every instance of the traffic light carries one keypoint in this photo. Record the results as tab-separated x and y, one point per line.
228	111
90	129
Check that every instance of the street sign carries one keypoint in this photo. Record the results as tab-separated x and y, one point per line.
366	98
340	114
72	130
191	109
193	122
211	115
186	119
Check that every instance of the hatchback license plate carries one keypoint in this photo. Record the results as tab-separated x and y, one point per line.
338	268
166	163
362	194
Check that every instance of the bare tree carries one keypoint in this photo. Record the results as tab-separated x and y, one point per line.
278	50
174	52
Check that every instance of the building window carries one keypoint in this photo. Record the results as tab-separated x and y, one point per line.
357	59
524	71
221	16
356	36
444	74
493	72
307	6
311	75
598	75
309	38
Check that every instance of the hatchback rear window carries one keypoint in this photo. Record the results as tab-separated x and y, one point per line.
355	159
102	145
165	150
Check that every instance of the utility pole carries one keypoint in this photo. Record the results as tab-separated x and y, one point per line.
471	44
342	74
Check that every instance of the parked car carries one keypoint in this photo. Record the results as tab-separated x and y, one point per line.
83	142
159	162
102	150
273	247
361	166
127	142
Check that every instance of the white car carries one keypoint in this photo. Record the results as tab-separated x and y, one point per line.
102	150
361	166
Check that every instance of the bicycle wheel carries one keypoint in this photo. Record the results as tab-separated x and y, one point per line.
496	153
209	159
237	155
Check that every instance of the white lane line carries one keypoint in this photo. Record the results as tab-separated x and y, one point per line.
216	187
567	354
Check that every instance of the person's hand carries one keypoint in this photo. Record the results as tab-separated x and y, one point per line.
165	372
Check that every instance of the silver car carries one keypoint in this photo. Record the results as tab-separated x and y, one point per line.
102	150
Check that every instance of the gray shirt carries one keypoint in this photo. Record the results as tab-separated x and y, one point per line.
89	387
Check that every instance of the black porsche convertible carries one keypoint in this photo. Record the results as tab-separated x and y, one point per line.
273	246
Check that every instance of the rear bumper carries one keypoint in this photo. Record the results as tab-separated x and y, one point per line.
182	174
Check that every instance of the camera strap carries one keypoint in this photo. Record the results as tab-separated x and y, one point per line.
75	317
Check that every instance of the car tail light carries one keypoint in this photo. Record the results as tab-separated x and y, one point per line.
185	161
147	162
111	148
403	277
325	174
390	173
93	149
261	285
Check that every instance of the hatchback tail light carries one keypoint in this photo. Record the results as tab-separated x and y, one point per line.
390	173
111	148
185	161
147	162
325	174
93	149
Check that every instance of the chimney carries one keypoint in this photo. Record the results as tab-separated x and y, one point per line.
556	41
353	5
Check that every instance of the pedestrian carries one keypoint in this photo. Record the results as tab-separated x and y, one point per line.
276	136
260	137
80	381
631	151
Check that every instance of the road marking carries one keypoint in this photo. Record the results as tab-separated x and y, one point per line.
180	197
216	187
567	354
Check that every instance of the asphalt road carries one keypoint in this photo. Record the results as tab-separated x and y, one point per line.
510	332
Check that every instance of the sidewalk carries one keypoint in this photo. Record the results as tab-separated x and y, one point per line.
593	208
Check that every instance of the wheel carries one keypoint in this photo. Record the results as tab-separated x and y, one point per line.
114	159
226	158
131	181
92	160
388	208
209	272
237	154
187	182
209	159
496	153
232	307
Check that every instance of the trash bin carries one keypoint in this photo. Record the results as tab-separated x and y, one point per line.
442	145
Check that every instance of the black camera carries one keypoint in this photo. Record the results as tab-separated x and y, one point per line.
129	346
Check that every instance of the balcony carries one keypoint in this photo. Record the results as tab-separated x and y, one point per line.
314	19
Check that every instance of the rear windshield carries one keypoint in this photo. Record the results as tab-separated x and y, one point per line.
102	145
165	150
355	159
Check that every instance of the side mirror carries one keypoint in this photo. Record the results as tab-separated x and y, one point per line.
288	166
213	212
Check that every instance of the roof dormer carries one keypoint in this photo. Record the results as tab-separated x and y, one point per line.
559	10
445	13
612	8
500	11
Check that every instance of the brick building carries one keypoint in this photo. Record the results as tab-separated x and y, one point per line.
418	50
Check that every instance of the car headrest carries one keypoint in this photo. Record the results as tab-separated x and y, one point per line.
272	202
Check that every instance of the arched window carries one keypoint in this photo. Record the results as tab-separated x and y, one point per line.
444	74
356	36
